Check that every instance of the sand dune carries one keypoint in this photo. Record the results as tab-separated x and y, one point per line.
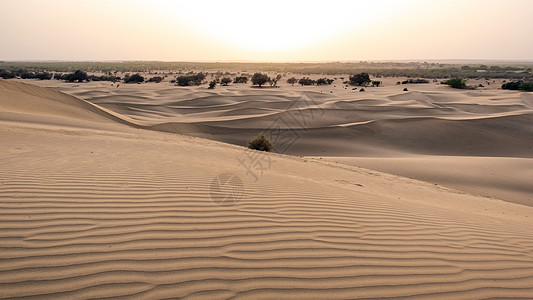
94	208
432	119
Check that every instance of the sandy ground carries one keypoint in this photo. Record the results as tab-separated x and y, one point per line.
479	141
93	205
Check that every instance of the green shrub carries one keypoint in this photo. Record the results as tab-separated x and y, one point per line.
526	86
405	89
456	83
212	84
261	143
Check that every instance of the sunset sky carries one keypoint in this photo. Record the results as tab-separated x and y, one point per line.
266	30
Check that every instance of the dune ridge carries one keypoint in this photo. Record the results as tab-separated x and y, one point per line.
127	214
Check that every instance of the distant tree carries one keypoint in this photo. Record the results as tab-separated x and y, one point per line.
292	80
135	78
225	81
376	83
259	79
212	84
456	83
240	79
274	81
361	79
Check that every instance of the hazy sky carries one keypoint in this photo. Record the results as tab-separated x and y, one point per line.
266	30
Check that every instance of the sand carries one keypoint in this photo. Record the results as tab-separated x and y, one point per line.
97	202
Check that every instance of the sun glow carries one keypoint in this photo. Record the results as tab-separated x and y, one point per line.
274	26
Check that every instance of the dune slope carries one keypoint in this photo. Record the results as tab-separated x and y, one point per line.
130	213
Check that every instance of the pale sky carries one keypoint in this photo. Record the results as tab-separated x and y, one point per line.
272	30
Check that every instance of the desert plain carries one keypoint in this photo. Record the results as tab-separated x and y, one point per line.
147	191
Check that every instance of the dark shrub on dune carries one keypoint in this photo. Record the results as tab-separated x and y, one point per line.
43	76
292	80
259	79
111	78
415	81
240	79
77	76
361	79
189	80
456	83
324	81
212	84
6	74
135	78
156	79
306	81
518	85
261	143
225	81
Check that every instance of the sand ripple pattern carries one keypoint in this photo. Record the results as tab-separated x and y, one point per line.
112	234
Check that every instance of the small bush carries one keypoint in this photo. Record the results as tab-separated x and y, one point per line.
212	84
190	80
456	83
361	79
135	78
526	86
306	81
225	81
156	79
518	85
405	89
292	80
6	74
415	81
240	79
261	143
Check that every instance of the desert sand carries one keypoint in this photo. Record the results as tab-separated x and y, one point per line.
112	192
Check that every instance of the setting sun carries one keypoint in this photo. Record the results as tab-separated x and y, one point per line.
277	25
